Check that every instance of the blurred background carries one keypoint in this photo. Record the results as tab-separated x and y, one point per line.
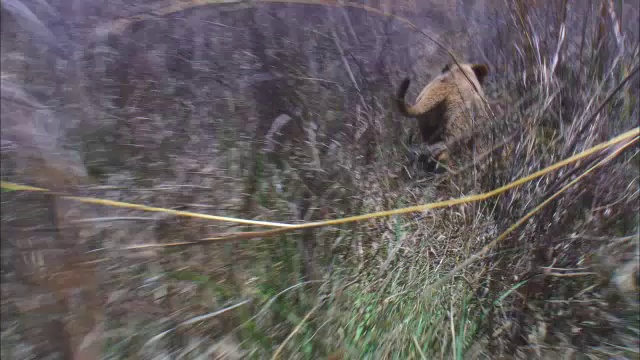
283	111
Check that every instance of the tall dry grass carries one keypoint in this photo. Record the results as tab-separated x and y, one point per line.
296	123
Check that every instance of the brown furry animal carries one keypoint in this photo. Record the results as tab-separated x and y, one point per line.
446	106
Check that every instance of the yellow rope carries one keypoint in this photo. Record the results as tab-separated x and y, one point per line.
89	200
483	196
440	204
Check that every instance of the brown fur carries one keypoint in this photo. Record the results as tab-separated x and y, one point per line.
446	106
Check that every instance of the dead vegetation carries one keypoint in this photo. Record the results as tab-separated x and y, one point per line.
284	112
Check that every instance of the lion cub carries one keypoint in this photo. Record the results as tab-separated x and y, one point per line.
447	105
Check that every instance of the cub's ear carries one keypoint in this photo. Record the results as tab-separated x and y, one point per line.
446	68
481	71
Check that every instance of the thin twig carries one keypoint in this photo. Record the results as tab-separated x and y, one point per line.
604	103
295	331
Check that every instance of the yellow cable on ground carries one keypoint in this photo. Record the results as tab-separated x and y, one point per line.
483	196
120	204
440	204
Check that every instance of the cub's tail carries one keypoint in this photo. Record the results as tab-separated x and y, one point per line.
400	102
